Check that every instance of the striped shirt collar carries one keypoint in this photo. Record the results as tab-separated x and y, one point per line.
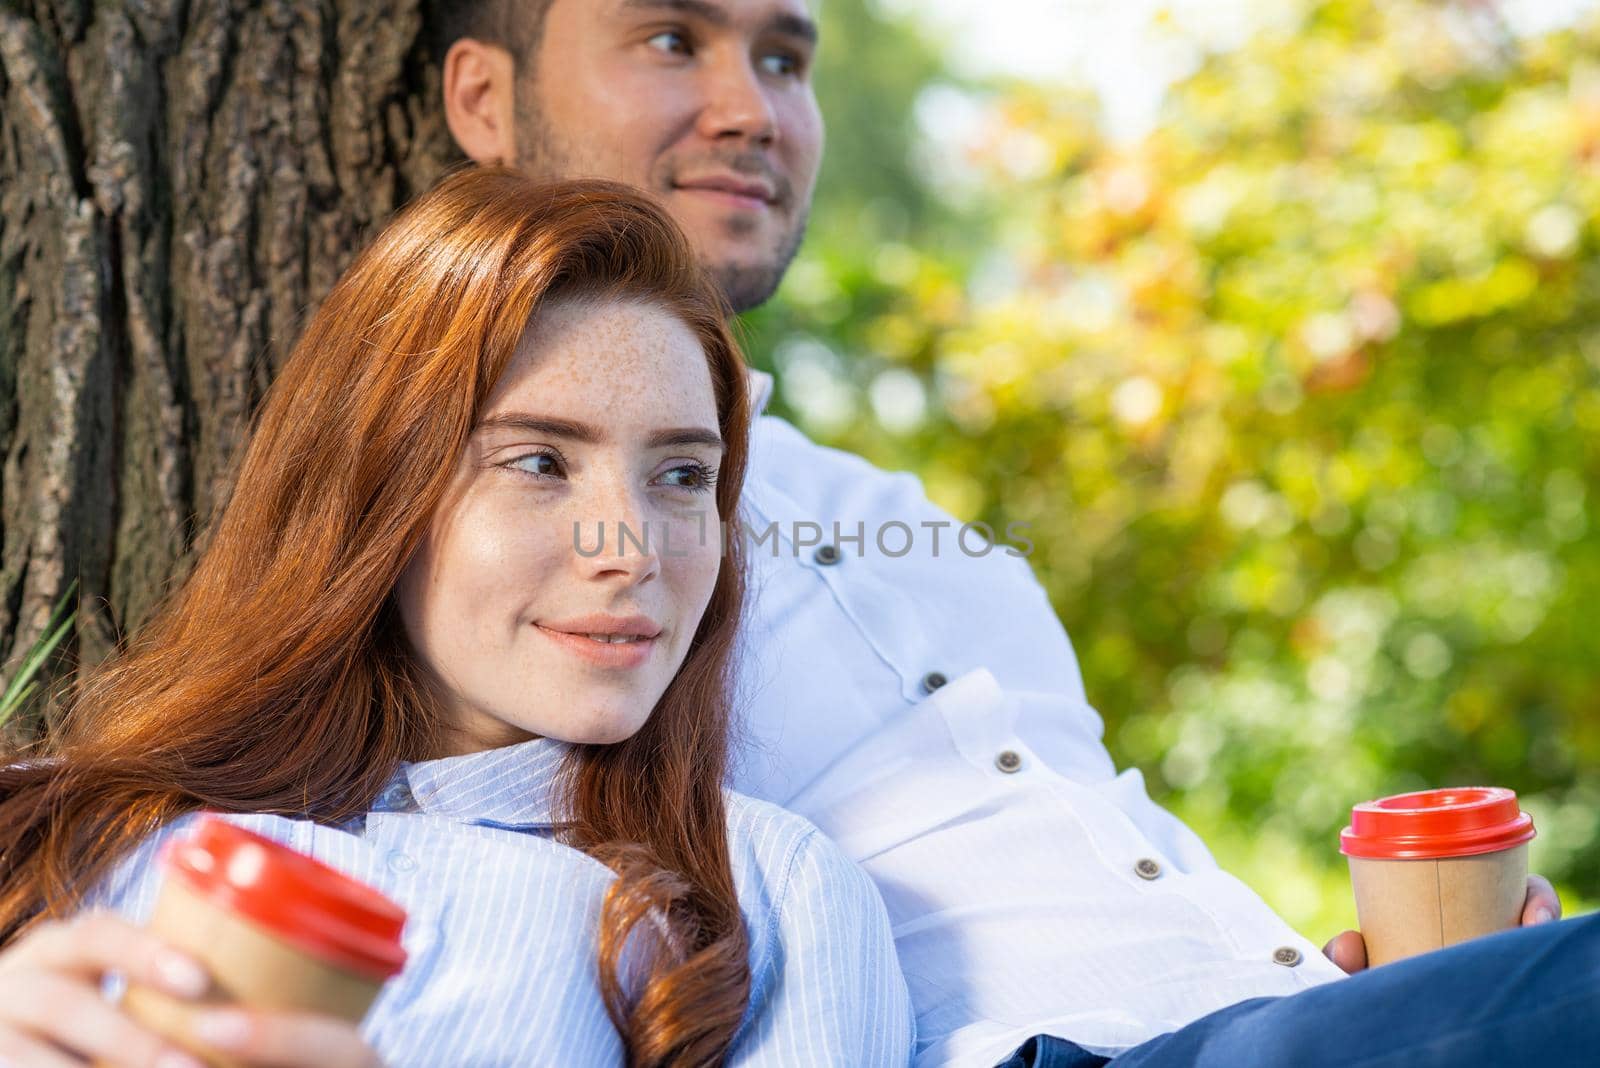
512	786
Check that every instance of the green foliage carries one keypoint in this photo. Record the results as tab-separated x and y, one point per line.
1300	396
24	682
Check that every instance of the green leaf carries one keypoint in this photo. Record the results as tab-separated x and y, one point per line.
23	684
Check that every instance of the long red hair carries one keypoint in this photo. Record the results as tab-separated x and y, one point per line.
277	677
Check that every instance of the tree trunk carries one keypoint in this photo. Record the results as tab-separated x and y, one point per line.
180	185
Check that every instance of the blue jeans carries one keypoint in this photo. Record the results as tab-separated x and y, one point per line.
1524	997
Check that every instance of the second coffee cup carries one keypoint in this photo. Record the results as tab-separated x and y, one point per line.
1436	867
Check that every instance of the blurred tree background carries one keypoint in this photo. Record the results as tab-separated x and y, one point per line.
1300	392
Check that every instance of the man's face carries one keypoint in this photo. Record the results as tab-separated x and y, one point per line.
706	103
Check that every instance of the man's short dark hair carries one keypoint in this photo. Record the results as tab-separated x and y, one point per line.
515	25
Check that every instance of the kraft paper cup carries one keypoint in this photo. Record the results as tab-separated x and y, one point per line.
1437	867
275	929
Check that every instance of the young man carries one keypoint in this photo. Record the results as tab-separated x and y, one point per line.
921	703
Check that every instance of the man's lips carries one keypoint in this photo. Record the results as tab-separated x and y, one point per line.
740	192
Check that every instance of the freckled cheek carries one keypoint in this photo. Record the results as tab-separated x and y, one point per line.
500	560
691	578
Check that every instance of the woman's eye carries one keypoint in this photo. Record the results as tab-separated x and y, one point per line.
541	464
689	476
670	41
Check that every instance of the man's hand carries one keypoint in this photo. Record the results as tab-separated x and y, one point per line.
1542	905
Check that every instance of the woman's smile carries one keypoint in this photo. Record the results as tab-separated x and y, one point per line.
605	641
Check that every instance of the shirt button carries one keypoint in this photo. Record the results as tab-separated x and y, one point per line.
826	554
1008	761
402	862
1147	869
396	798
932	681
1287	956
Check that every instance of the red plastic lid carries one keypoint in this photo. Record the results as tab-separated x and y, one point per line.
303	901
1460	822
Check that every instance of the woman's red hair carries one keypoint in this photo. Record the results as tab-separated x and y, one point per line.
277	678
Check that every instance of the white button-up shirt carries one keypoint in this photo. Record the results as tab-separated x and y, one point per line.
926	710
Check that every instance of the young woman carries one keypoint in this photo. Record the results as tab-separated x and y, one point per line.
402	653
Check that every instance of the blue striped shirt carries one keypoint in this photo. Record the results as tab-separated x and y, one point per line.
501	924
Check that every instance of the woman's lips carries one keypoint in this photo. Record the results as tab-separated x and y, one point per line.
629	654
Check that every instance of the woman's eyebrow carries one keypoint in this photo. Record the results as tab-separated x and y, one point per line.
689	435
539	424
573	430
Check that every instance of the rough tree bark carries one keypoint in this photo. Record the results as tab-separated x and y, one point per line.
180	185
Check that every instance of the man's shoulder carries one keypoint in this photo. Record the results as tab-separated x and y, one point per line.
777	435
785	459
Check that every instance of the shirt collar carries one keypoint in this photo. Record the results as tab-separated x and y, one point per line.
760	390
513	786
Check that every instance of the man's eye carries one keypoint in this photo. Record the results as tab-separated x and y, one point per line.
783	64
670	41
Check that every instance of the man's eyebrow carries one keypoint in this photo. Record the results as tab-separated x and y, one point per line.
701	9
785	23
789	25
572	430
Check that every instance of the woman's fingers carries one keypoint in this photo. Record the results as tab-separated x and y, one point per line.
52	1014
285	1040
51	1008
42	1006
21	1050
99	942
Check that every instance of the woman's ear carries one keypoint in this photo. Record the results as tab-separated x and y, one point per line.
480	100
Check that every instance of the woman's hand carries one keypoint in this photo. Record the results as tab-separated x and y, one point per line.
53	1015
1542	905
284	1039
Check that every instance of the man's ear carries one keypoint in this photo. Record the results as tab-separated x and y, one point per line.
480	100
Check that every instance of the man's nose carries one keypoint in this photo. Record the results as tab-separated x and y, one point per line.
736	102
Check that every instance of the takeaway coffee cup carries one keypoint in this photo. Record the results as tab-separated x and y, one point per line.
276	930
1437	867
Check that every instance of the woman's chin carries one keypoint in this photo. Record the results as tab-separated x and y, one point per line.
602	727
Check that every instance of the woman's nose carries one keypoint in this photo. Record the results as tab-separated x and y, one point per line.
619	540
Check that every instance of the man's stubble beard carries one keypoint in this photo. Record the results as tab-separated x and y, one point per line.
747	286
744	285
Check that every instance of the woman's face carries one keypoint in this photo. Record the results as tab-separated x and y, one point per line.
605	419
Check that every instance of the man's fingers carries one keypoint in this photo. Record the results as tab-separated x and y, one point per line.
99	942
1543	904
285	1040
1348	951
